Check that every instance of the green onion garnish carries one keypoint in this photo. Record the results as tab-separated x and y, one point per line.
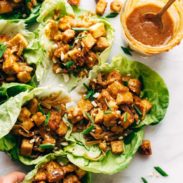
3	48
127	50
79	29
107	112
46	146
89	117
47	118
88	130
107	104
90	93
69	64
125	117
161	171
144	180
138	110
112	15
80	37
40	109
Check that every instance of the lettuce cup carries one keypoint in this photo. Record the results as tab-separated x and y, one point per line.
118	100
57	168
21	59
75	40
24	10
146	37
32	124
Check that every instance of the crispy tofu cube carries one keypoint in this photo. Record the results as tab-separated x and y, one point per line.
135	85
68	35
62	129
85	105
53	167
113	76
116	6
51	30
124	98
69	168
24	114
74	2
117	147
128	121
65	23
26	147
145	148
40	176
110	119
116	87
18	40
74	53
33	105
103	146
102	44
99	116
145	106
98	30
89	41
71	178
28	124
100	7
5	7
24	76
38	118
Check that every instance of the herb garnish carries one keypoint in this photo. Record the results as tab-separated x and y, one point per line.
108	112
137	110
79	29
90	92
125	117
127	50
47	118
2	49
144	180
91	127
112	15
46	146
161	171
40	109
107	104
69	64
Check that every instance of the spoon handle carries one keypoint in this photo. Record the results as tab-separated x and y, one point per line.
163	10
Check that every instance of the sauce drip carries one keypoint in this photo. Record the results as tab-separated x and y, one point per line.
146	31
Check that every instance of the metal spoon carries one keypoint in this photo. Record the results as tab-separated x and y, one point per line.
157	18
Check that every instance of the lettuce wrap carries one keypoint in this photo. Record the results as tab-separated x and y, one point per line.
90	157
60	156
10	111
46	17
32	54
26	10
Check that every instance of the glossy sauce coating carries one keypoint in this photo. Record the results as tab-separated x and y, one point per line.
146	31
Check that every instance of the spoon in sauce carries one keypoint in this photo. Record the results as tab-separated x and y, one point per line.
157	18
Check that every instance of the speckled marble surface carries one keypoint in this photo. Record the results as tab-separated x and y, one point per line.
166	137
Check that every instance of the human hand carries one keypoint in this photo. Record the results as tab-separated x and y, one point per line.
14	177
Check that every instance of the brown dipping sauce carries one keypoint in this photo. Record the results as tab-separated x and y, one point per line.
146	31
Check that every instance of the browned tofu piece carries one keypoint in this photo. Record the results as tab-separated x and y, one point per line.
100	7
28	124
110	118
69	168
51	168
89	41
116	6
62	129
24	77
51	30
99	116
26	147
66	23
54	121
102	44
127	120
116	87
85	105
24	114
80	173
145	148
124	98
135	85
71	179
33	105
38	118
74	2
117	147
103	146
40	175
74	53
145	106
68	35
5	7
117	129
98	30
114	76
75	114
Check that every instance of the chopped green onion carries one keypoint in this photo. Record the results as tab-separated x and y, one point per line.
46	146
127	50
112	15
40	109
138	110
80	37
86	86
88	130
107	104
161	171
47	118
69	64
107	112
3	48
90	93
144	180
125	117
79	29
89	117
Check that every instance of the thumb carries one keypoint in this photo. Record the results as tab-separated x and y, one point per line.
15	177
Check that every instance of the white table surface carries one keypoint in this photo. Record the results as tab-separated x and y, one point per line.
166	138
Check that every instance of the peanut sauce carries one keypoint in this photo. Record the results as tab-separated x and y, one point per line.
146	31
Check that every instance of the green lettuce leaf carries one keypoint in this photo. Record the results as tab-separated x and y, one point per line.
46	13
59	156
7	143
